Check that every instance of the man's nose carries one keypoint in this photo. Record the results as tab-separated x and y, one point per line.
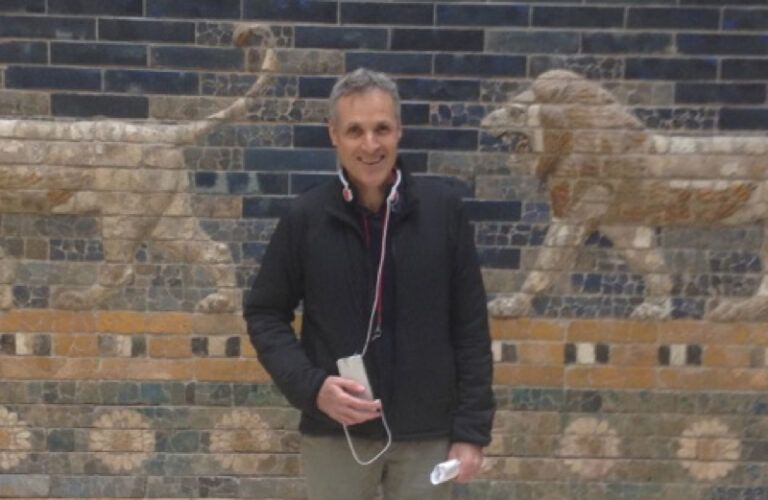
370	141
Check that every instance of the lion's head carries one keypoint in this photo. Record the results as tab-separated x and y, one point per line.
564	114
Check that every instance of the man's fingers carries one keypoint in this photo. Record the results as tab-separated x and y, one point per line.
348	385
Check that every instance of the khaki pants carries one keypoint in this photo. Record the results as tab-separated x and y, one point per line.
403	471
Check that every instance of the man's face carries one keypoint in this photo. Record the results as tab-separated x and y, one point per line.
365	133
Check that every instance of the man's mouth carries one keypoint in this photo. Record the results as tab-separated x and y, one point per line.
371	161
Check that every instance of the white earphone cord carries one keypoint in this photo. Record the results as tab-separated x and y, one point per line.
379	272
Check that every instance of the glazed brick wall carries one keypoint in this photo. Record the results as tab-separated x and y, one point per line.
146	398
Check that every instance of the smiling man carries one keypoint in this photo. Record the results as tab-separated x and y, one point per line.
385	266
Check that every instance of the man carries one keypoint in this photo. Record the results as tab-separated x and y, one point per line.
385	265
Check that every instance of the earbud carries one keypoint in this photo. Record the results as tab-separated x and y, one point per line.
346	191
392	198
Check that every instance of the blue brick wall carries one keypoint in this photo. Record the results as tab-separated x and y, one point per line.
690	65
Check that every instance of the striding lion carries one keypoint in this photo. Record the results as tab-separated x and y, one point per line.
605	171
131	177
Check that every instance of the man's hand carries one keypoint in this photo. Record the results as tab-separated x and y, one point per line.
337	399
471	458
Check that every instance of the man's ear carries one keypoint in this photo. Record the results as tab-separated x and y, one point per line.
332	133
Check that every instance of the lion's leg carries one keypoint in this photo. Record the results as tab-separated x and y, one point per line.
559	250
744	309
557	254
638	246
121	238
198	248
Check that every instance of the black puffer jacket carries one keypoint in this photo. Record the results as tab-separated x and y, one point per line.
442	372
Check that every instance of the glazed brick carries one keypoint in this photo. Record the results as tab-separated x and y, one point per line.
96	7
386	13
179	441
23	52
61	440
745	69
24	485
670	69
289	159
253	251
482	15
440	40
35	297
340	38
414	161
414	114
671	18
315	86
438	89
222	487
29	77
722	44
240	183
76	250
31	6
581	17
47	27
480	65
291	10
389	62
110	54
499	258
434	138
481	210
688	93
147	31
619	43
745	19
743	119
260	206
230	59
151	82
311	136
248	136
304	181
220	9
541	42
97	486
90	105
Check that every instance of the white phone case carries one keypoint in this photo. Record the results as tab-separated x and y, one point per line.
353	367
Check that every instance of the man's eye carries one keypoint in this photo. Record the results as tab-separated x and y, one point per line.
383	129
354	132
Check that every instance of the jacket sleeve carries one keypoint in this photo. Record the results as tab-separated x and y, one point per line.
471	339
269	310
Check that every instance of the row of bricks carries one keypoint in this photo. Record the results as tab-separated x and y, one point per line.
169	82
420	14
525	353
88	105
249	370
515	63
541	330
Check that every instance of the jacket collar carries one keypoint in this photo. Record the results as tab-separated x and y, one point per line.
346	211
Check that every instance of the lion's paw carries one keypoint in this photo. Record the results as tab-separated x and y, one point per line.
519	304
753	308
653	309
73	300
216	303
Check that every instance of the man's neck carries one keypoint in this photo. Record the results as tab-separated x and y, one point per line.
372	199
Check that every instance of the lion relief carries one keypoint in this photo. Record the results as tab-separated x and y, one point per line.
605	171
130	178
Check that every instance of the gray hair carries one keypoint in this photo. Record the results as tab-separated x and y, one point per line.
359	81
